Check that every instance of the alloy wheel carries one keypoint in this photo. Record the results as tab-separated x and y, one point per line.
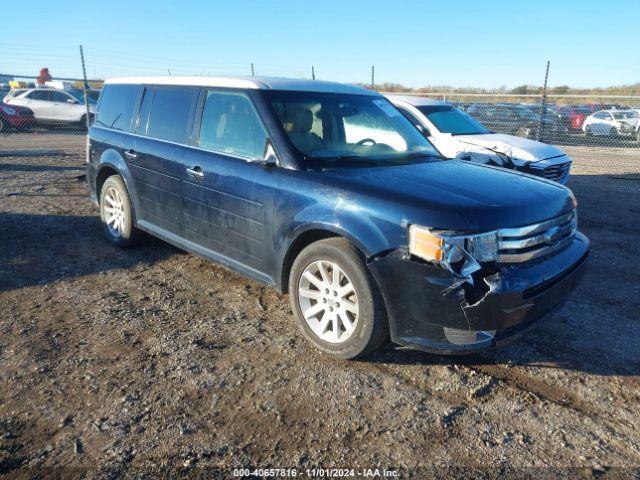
328	301
114	213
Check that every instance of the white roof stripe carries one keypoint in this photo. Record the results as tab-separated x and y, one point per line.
228	82
256	83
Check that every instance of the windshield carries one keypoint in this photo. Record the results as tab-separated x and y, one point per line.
453	121
79	95
624	115
361	129
525	112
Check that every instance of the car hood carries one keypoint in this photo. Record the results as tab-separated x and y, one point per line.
517	148
458	195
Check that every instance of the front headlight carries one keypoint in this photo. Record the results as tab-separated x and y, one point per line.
447	248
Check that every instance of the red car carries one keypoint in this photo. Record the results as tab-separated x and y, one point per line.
15	117
573	115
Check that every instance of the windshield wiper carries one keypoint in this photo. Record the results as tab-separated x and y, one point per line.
424	154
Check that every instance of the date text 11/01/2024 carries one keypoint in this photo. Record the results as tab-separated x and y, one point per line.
316	472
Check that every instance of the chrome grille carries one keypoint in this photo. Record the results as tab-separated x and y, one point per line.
557	173
533	241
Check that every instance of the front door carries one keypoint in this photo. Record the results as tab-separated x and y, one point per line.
226	196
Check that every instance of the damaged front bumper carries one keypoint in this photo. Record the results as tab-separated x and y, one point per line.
501	305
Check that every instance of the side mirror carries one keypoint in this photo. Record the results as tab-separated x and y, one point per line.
71	100
269	158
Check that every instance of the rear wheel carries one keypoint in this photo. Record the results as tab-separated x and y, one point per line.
336	301
116	213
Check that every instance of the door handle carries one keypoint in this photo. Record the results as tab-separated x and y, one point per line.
130	154
195	172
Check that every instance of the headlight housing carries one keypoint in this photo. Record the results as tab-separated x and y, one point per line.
8	110
447	248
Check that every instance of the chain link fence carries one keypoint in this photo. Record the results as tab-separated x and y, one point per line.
603	130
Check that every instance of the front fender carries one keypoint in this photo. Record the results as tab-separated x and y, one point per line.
370	234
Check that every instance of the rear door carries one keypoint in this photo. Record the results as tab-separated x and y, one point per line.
156	158
226	195
38	101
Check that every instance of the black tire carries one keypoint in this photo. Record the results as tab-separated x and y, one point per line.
83	121
4	126
371	328
128	235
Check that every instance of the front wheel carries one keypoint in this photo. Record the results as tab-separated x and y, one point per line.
116	213
83	121
336	301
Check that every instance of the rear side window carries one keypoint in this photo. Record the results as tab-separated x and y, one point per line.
171	113
231	125
40	95
116	107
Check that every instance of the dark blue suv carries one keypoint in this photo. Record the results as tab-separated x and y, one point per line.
327	192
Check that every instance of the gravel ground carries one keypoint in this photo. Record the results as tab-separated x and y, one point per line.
151	362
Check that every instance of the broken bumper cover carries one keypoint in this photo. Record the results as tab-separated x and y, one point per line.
511	302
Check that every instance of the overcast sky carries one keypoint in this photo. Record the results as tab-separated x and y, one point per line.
484	44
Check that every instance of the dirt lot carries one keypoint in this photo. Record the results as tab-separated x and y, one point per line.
151	362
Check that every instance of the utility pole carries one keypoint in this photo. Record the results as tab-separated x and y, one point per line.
543	110
253	72
372	76
313	73
85	89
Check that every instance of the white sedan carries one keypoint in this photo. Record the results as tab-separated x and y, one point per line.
457	135
51	105
611	123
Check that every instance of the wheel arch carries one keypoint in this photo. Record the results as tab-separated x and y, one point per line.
312	234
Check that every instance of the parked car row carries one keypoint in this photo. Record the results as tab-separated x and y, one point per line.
49	106
329	193
524	119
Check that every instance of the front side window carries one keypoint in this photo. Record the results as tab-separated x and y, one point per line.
116	106
171	112
60	97
231	125
453	121
331	127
